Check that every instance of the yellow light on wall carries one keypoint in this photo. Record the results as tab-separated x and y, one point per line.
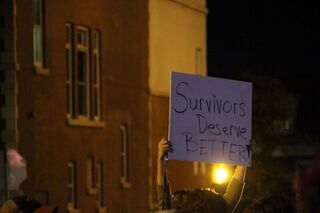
220	173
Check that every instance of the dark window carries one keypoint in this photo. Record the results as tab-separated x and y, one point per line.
2	45
3	124
38	49
2	100
1	21
71	173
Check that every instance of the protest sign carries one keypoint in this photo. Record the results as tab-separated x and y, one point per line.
210	119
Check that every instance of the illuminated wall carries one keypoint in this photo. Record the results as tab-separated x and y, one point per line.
177	40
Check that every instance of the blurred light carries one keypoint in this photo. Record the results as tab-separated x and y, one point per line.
220	173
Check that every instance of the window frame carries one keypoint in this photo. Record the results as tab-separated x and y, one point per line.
199	168
69	67
96	75
195	168
83	47
91	189
100	187
82	40
124	156
71	185
39	49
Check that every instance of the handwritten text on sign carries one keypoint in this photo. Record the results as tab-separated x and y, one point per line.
210	119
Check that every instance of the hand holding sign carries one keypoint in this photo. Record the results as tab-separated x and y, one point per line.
163	147
210	119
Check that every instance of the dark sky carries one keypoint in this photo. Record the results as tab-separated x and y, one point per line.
278	37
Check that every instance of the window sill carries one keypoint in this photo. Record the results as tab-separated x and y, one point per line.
85	123
102	210
92	191
39	70
72	209
124	183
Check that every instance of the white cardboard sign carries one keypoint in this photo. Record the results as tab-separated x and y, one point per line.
210	119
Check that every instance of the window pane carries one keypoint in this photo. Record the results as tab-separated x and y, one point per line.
68	64
95	69
82	100
90	172
37	43
82	66
37	13
70	195
82	37
79	38
37	32
82	72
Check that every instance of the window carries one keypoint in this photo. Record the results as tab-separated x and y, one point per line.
203	168
83	76
124	157
91	190
71	185
199	167
195	168
38	37
99	186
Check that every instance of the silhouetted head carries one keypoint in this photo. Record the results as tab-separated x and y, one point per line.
179	198
271	204
203	200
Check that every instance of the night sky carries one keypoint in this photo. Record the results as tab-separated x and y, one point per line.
277	37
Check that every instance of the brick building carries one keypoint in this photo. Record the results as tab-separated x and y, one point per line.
84	94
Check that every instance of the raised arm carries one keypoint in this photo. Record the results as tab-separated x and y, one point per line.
163	187
163	147
235	188
240	173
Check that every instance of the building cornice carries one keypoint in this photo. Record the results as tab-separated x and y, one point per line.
191	5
